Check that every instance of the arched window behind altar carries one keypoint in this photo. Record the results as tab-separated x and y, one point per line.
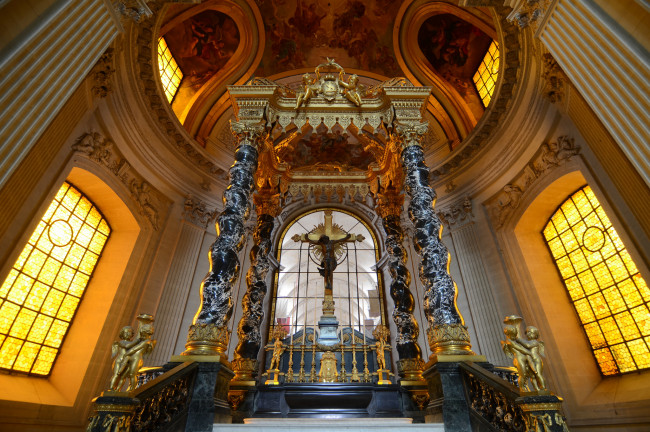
357	285
605	286
40	296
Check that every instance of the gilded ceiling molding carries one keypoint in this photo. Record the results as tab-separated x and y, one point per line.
101	150
145	35
548	157
511	41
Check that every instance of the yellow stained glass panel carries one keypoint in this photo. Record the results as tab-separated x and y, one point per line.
640	353
8	283
8	313
35	311
26	357
487	73
9	352
22	323
615	315
170	73
623	358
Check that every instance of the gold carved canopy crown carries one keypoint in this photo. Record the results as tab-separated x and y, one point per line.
331	134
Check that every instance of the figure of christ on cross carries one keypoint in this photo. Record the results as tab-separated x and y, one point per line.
328	240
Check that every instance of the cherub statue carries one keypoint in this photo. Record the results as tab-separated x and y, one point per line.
130	360
535	362
525	354
351	88
119	350
308	91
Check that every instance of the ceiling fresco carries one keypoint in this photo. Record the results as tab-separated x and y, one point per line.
305	33
201	45
454	49
320	149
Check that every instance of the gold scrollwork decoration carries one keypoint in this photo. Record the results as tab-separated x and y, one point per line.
206	339
449	339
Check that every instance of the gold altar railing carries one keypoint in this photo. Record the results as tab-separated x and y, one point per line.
160	404
496	404
311	362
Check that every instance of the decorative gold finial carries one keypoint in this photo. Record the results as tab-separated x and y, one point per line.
128	354
526	354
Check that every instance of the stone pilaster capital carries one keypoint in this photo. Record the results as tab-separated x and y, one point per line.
389	204
134	10
555	81
528	12
248	132
458	214
196	211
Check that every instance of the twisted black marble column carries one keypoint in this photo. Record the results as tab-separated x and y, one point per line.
248	331
447	333
208	334
407	326
216	288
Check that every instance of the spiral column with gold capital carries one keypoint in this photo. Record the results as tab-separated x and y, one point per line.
208	334
447	333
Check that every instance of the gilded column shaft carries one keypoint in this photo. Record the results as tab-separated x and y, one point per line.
216	289
447	333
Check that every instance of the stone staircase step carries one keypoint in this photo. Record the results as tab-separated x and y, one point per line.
329	425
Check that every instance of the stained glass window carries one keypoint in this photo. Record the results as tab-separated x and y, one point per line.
39	297
485	77
299	288
607	290
170	73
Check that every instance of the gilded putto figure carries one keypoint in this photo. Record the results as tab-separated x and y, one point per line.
128	353
526	354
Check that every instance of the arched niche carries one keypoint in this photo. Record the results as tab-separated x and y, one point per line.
74	377
200	24
544	302
447	104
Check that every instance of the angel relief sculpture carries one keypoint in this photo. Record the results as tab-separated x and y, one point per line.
526	354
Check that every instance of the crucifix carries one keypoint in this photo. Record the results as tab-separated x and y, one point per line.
328	240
